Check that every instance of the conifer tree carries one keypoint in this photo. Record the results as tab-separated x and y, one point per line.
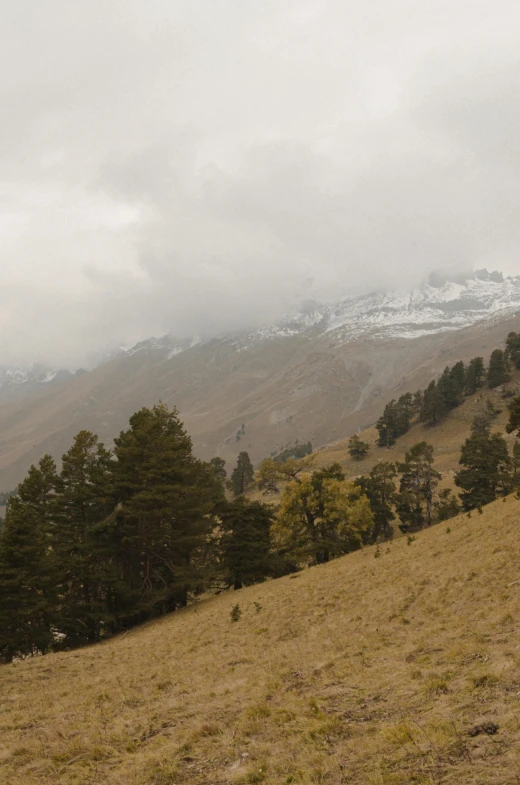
84	500
513	349
357	448
486	467
498	372
475	374
434	405
379	488
242	475
219	468
417	488
515	465
514	416
245	542
28	598
164	517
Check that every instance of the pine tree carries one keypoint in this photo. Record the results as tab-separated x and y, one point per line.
419	481
434	405
513	349
486	471
164	517
28	598
357	448
387	426
218	466
379	488
245	542
242	475
514	415
458	377
515	465
475	374
84	500
498	372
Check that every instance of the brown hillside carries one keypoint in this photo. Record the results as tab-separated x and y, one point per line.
367	671
446	438
281	390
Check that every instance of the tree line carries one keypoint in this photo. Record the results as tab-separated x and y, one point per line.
444	394
116	537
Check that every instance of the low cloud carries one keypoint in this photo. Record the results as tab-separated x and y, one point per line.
202	167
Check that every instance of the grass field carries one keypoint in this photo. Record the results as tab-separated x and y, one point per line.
372	669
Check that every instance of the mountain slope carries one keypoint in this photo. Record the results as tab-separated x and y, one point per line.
302	380
371	671
446	438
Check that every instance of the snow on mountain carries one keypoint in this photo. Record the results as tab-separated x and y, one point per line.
449	305
440	306
17	382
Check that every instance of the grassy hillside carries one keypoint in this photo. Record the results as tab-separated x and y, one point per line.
366	670
446	438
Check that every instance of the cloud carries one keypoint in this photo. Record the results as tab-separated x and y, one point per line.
201	166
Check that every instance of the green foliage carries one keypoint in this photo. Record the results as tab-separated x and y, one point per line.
475	375
514	415
28	595
417	488
242	475
396	418
486	468
163	518
218	466
498	372
434	405
379	488
513	349
446	506
84	498
245	541
357	449
4	496
295	451
235	613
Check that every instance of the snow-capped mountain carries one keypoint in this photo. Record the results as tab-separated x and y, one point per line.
18	382
440	306
319	374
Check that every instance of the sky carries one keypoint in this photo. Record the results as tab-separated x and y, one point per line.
199	166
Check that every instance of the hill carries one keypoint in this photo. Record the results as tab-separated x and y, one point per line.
370	671
446	438
309	385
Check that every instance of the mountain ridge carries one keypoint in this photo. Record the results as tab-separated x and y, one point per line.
308	384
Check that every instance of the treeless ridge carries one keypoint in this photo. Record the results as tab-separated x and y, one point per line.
371	669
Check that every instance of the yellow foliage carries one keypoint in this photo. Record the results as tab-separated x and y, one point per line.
320	520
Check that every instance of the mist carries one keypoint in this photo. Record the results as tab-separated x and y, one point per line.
203	166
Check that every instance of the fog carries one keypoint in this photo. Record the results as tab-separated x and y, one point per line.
204	165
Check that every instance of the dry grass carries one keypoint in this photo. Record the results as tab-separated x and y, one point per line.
446	438
361	671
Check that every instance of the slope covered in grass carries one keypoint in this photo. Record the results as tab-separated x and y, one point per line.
446	438
366	670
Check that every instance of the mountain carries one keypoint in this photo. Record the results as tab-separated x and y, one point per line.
383	671
20	382
318	375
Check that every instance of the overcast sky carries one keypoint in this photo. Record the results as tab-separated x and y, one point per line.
195	165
